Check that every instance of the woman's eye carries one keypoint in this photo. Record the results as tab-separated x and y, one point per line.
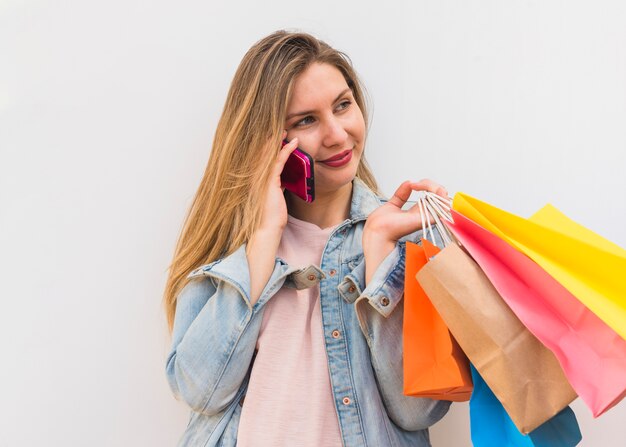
344	104
304	121
309	119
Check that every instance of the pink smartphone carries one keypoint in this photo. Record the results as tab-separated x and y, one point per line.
297	175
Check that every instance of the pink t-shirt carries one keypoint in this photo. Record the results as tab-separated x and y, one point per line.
289	400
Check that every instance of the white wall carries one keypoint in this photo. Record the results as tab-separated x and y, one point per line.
107	111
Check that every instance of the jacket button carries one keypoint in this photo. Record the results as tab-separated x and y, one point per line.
352	289
312	277
332	272
384	301
336	333
346	401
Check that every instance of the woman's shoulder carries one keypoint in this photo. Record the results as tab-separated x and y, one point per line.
364	200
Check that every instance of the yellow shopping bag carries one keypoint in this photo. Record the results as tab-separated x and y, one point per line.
590	267
551	217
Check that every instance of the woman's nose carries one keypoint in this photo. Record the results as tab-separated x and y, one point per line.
334	133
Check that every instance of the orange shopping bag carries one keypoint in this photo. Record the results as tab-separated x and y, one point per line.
434	364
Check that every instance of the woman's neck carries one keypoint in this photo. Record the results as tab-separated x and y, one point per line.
327	210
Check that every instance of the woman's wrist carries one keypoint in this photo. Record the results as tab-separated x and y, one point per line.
375	250
266	239
261	253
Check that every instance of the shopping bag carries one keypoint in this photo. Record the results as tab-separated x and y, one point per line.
551	217
592	355
592	271
524	375
491	426
434	364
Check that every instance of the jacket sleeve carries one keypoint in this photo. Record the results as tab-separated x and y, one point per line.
215	332
380	311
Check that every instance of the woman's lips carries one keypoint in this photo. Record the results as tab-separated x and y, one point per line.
339	159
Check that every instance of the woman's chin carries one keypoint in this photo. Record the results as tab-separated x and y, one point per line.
337	179
324	188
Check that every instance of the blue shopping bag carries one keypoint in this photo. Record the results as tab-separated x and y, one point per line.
491	426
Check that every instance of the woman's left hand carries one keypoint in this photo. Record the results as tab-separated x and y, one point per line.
390	222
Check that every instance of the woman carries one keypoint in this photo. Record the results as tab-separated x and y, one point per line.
285	314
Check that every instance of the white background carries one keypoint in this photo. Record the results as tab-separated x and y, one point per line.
107	112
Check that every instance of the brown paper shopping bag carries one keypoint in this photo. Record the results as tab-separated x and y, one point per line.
523	374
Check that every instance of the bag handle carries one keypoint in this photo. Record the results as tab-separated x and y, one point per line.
438	208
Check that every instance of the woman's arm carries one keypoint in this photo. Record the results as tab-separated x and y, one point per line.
379	308
261	253
218	315
263	244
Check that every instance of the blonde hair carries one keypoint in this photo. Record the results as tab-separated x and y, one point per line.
227	206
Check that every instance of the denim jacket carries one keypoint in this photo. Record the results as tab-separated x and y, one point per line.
216	328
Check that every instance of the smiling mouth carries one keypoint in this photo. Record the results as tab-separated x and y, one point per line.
339	160
337	157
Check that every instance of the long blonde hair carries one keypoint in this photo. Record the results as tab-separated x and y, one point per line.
227	206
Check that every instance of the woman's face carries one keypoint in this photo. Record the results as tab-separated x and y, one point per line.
329	125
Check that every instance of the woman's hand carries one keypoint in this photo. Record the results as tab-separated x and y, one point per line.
274	215
390	222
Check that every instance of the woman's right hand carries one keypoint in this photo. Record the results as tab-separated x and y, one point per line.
274	214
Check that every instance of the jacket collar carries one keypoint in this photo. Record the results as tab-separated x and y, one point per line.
364	201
